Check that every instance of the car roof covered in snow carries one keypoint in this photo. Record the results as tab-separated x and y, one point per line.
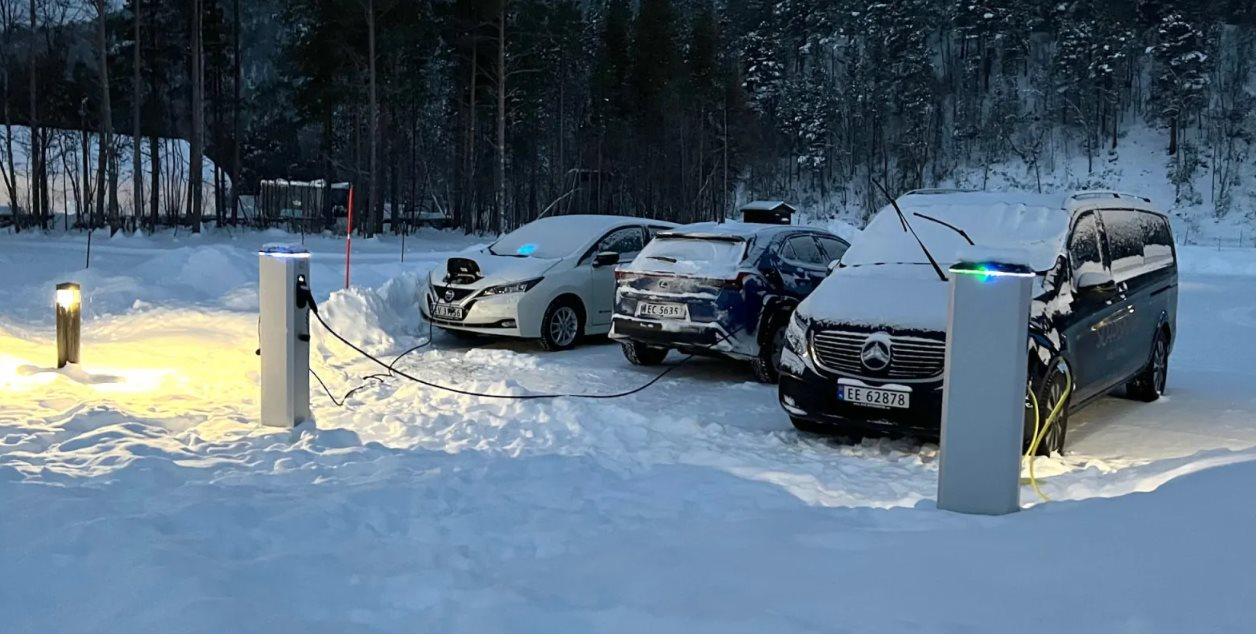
1035	223
733	230
593	223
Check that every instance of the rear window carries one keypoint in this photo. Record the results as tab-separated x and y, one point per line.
1137	241
673	254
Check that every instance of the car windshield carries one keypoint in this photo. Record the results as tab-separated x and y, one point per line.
679	254
547	238
1037	228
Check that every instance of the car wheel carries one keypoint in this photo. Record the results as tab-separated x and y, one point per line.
561	326
767	366
1049	394
1150	382
640	354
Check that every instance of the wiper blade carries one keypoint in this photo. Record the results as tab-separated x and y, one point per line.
662	258
946	224
907	225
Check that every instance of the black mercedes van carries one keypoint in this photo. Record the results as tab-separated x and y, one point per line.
1103	315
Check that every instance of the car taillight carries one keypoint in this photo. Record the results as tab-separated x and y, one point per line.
738	282
623	276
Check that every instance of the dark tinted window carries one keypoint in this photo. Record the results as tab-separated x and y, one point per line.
804	249
1125	239
1158	239
1083	245
834	249
626	240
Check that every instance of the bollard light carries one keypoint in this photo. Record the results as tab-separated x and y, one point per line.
69	303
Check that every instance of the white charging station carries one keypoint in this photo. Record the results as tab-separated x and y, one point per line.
983	398
284	333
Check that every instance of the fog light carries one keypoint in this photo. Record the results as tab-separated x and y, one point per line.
69	301
789	400
509	323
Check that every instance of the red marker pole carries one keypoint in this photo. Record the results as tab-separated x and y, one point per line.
349	237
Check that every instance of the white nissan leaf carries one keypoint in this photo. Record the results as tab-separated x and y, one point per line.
552	280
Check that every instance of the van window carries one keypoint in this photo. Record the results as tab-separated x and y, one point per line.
1158	239
1084	250
1126	237
804	250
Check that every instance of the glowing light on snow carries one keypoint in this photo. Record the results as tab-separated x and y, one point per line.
527	249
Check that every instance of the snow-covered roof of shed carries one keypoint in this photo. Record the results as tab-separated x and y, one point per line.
1036	223
741	230
765	205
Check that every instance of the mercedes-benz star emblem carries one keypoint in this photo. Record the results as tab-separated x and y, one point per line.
449	295
877	352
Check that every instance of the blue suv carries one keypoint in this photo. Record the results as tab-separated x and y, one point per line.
721	289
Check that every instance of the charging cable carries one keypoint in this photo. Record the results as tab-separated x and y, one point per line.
309	299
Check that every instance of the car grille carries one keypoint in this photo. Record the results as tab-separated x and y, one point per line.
910	357
458	293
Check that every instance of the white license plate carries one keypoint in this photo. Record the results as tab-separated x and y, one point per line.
872	397
446	311
663	311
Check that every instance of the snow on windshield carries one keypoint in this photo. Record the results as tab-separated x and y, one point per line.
1035	223
551	238
690	255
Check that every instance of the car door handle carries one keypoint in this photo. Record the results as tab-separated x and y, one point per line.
1120	315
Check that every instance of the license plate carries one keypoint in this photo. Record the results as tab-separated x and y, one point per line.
446	311
663	311
872	397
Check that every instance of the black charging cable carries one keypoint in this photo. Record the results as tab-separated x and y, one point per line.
309	299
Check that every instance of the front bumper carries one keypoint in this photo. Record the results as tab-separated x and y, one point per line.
685	336
493	315
808	394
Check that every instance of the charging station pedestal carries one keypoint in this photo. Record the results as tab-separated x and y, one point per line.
983	398
284	333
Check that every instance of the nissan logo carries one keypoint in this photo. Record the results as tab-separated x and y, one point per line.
449	295
877	352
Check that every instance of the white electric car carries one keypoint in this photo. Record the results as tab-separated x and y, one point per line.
553	280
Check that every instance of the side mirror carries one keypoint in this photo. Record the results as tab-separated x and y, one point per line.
605	258
833	266
1096	283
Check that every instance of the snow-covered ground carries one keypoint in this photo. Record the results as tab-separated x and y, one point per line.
137	493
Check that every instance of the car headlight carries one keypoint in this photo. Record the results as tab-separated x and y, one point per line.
513	287
796	334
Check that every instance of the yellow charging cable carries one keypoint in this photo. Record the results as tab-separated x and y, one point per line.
1041	432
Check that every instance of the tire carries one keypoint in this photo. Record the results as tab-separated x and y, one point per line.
640	354
562	325
1149	384
1049	394
767	366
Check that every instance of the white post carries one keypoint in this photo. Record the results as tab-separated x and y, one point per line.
983	399
284	333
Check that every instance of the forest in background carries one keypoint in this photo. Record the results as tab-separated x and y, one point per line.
495	111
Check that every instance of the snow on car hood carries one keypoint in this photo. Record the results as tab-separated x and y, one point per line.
898	296
500	269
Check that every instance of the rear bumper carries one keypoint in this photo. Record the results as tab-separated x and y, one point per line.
686	336
811	396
